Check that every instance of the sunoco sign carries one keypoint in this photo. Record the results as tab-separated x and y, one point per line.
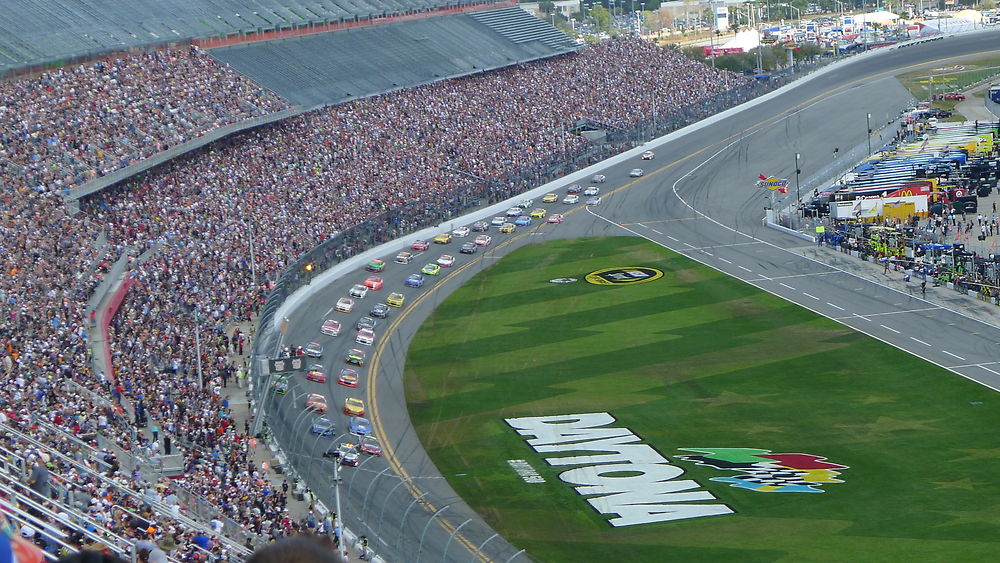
628	479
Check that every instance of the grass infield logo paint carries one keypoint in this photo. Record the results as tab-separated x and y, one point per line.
766	472
624	276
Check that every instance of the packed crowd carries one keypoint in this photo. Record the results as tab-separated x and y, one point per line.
281	190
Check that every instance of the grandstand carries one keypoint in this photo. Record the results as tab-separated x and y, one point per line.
50	32
335	67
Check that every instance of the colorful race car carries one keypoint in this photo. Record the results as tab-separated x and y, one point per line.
522	221
379	311
360	426
354	407
443	238
537	213
359	291
469	248
596	200
550	198
365	322
330	327
322	426
415	280
375	265
555	218
591	191
347	454
419	246
314	350
356	357
280	385
507	228
648	155
404	257
526	203
480	227
373	283
431	270
366	336
370	446
344	305
483	240
395	299
514	212
574	189
461	232
446	261
571	199
636	172
499	221
599	179
347	377
316	402
316	374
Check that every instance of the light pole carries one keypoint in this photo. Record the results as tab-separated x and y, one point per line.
869	121
798	197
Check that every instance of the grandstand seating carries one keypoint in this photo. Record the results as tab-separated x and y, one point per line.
39	32
333	67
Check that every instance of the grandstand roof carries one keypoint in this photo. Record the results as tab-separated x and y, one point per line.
334	67
37	32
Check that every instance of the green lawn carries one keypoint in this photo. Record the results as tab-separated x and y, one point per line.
699	360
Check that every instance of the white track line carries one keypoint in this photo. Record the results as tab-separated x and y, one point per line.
915	339
900	312
811	296
724	260
889	328
786	285
860	317
835	306
745	268
953	355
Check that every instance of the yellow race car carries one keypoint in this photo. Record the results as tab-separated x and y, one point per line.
395	300
538	213
550	198
443	238
507	228
354	407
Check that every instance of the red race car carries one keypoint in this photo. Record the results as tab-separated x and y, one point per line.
419	246
373	283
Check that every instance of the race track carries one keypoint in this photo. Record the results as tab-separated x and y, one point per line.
697	198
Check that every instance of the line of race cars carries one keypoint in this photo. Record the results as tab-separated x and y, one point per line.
339	326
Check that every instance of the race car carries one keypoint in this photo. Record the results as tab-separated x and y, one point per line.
636	172
347	377
379	311
356	357
360	426
480	227
648	155
330	327
499	221
359	291
526	203
344	305
599	179
404	257
591	191
347	454
322	426
373	283
537	213
461	232
365	322
522	221
280	385
354	407
419	246
554	218
571	199
550	198
446	261
375	265
507	228
366	336
596	200
574	189
369	445
469	248
483	240
314	350
431	269
443	238
513	212
316	402
415	280
395	299
316	374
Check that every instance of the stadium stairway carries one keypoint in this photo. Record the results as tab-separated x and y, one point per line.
511	23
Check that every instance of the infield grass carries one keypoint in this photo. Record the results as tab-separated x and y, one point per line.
695	360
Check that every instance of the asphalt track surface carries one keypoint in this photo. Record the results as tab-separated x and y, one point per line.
696	198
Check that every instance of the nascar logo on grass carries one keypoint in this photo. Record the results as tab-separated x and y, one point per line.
767	472
623	276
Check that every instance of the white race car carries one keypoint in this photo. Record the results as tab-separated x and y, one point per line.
460	232
571	199
359	291
591	191
648	155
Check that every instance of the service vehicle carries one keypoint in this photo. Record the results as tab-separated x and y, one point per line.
366	337
360	426
347	377
591	191
358	290
373	283
446	261
379	311
507	228
375	265
419	246
461	232
395	299
554	218
356	357
480	227
571	199
344	305
469	248
322	426
354	407
550	198
431	269
443	238
314	350
483	240
404	257
415	280
316	402
330	327
537	213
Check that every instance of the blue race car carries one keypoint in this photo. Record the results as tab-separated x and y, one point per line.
415	280
322	426
360	426
522	221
